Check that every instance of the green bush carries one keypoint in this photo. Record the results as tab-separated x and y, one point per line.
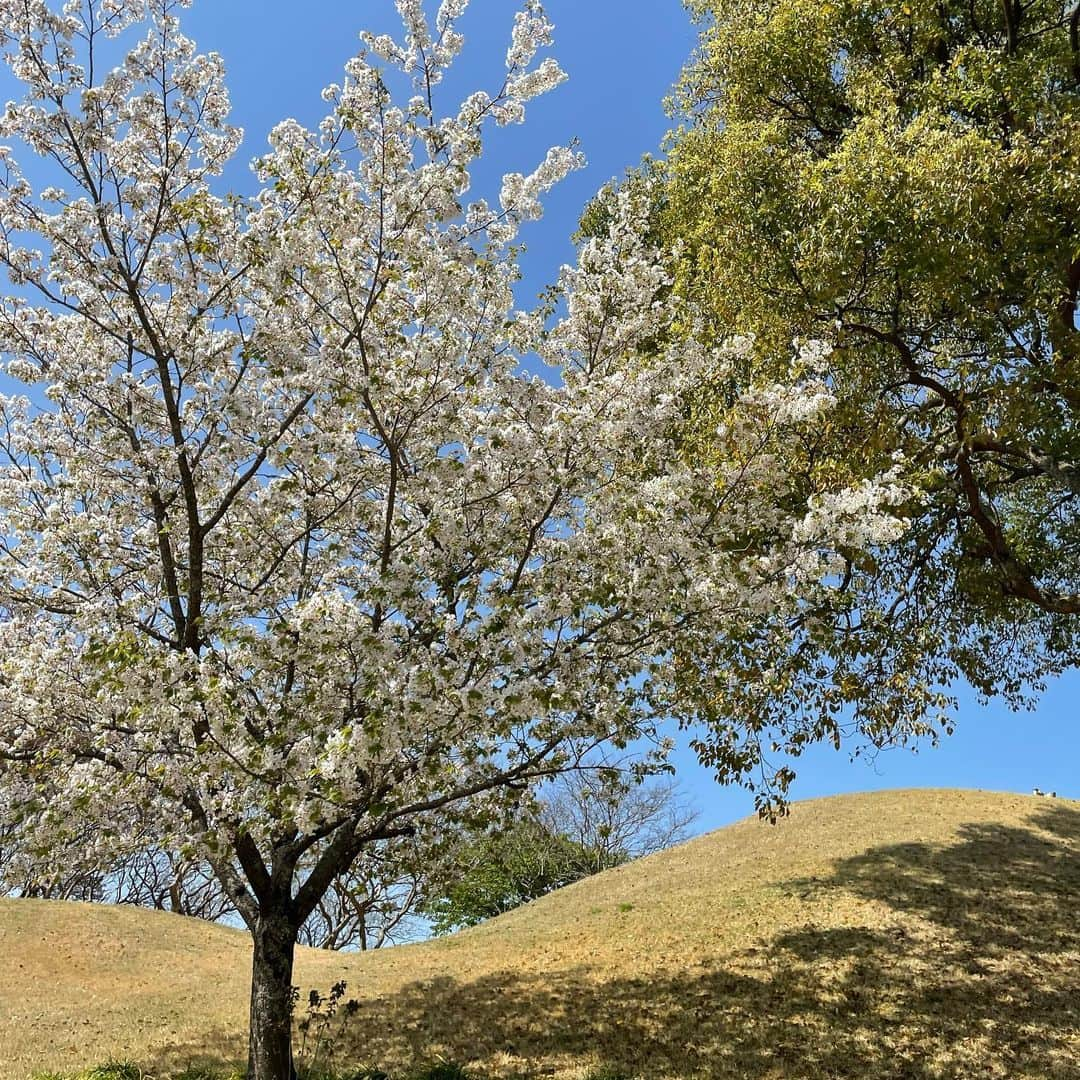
113	1070
442	1070
608	1072
329	1072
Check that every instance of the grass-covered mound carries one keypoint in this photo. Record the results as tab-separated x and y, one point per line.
901	934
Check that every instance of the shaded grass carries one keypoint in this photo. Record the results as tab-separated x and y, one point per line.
904	934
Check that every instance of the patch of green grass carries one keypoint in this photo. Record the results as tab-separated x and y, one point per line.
329	1072
212	1072
114	1070
626	907
441	1070
127	1070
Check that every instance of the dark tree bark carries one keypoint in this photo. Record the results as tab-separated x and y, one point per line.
270	1039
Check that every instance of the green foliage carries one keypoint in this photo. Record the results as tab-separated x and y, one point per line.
120	1070
499	871
441	1070
901	181
114	1070
212	1072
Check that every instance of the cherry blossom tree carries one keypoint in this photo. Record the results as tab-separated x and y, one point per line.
295	558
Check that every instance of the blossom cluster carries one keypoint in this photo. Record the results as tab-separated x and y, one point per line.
290	546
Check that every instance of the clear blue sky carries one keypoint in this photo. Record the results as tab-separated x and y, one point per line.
622	57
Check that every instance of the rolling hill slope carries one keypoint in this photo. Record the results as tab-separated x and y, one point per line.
904	934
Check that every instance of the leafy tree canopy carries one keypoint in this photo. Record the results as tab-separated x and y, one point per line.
586	822
899	181
504	870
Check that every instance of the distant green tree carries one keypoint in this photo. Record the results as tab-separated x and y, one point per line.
588	822
504	870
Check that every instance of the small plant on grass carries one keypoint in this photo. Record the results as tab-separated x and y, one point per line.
318	1035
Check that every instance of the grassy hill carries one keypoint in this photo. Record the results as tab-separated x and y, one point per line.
906	934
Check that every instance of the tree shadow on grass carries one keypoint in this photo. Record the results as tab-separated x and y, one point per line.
969	968
915	961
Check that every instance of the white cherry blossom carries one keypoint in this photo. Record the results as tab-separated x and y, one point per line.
293	555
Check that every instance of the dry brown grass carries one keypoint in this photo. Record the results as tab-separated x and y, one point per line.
908	934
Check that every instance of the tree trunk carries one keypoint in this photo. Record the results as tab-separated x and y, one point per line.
270	1039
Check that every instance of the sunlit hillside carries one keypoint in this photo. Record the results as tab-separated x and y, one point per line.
903	934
